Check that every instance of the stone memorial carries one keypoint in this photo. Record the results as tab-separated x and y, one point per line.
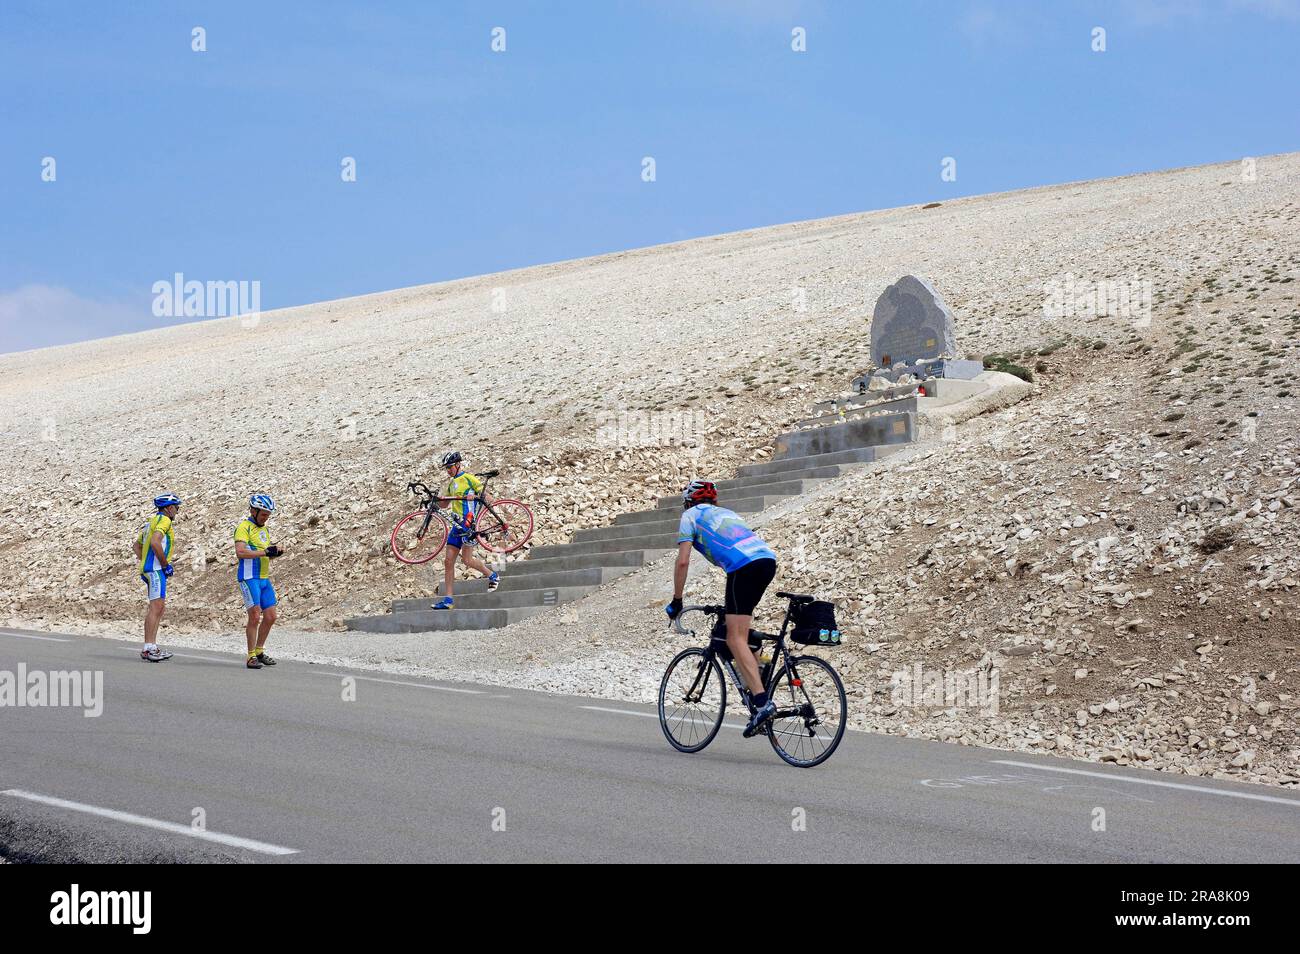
913	331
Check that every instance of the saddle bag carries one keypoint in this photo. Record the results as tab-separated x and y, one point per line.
814	624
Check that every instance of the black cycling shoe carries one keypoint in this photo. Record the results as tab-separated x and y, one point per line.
759	718
266	659
253	663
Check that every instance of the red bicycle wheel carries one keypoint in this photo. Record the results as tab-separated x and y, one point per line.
506	527
417	540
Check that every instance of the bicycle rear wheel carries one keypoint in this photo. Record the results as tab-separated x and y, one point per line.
692	700
505	527
812	711
419	537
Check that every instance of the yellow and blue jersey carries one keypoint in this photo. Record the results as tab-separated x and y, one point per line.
255	538
158	523
460	485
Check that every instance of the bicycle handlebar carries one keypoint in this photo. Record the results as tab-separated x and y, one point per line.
416	486
676	623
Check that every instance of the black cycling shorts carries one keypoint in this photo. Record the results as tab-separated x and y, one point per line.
745	586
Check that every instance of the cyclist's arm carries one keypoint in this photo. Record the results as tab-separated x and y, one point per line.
245	552
679	569
159	549
480	490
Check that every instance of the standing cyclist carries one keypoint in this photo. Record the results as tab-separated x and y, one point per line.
255	551
153	553
466	490
727	542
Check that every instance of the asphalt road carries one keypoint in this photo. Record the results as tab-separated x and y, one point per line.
278	767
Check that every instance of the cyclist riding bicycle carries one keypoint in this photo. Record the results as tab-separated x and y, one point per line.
728	543
466	490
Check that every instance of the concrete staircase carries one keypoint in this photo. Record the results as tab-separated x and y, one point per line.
824	446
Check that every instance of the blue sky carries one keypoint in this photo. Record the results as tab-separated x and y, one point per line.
225	165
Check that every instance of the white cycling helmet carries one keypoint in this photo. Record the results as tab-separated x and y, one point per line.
262	502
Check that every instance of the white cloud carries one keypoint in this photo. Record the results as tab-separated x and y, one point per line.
36	316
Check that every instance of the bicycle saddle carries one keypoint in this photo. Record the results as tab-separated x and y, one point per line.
796	597
489	473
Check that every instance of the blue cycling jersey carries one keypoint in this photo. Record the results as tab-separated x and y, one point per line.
725	540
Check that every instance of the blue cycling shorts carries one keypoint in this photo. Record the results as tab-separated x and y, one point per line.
258	593
156	583
457	537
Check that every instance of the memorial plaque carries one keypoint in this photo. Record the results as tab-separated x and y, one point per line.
911	323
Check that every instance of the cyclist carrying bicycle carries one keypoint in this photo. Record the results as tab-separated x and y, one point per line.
464	490
728	543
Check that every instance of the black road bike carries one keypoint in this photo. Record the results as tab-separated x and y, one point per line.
811	708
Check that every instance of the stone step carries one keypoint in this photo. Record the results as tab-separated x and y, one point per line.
424	621
629	556
949	390
858	400
500	599
773	489
844	459
851	414
586	576
648	521
659	514
653	541
662	519
876	431
755	483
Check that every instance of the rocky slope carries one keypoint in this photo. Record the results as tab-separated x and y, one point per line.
1122	547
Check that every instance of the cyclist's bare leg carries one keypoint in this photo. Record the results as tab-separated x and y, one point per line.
152	620
264	630
449	570
250	628
469	558
738	643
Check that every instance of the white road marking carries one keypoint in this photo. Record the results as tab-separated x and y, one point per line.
648	715
48	639
398	682
1293	802
233	841
651	715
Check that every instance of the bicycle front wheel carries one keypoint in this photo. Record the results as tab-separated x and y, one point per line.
811	711
692	700
419	537
504	526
